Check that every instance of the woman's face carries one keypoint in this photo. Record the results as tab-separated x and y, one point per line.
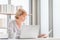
22	18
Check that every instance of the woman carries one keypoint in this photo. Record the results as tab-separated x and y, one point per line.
14	27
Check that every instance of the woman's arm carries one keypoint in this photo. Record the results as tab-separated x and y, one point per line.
10	30
42	36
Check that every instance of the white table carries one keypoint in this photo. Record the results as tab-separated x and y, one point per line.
35	39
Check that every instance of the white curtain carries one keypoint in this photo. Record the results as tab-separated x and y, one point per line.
44	17
56	17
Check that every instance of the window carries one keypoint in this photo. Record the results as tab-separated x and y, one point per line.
3	21
3	18
3	1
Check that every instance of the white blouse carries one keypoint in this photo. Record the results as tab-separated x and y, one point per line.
13	31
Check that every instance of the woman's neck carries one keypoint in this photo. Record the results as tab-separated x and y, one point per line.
19	23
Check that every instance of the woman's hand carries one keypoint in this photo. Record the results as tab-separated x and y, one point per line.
42	36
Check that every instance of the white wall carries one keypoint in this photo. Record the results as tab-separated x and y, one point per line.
44	16
56	17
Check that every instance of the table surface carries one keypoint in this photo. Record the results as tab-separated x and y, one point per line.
35	39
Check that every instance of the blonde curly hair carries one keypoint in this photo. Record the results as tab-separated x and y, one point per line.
20	12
